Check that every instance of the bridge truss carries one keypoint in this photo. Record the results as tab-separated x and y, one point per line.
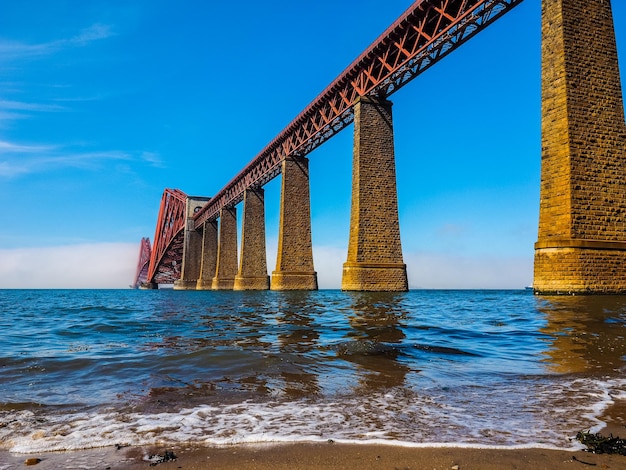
143	264
167	253
428	31
425	33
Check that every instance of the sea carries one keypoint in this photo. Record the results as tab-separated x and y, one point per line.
83	369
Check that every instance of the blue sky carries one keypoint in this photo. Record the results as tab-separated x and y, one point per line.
105	103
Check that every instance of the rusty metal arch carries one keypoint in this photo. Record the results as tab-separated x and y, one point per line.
143	263
167	253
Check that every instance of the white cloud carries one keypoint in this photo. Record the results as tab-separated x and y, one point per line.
92	33
436	271
15	50
43	158
99	265
23	106
7	148
328	262
448	271
11	170
113	265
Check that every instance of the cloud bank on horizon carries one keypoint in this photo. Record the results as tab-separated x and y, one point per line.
113	265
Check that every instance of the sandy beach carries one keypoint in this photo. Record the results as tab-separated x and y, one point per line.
330	455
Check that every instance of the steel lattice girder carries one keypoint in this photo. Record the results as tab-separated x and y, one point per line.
170	227
425	33
143	264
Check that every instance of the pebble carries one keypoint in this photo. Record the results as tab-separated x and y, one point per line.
32	461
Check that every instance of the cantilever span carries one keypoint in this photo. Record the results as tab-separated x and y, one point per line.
424	34
143	264
168	239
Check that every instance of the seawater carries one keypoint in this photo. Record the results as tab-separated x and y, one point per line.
91	368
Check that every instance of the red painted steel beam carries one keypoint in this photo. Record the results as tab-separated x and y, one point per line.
170	227
143	264
425	33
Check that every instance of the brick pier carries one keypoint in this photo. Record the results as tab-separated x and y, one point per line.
294	262
208	262
252	273
374	250
226	269
192	247
581	245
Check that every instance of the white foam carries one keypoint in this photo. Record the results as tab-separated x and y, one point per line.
538	414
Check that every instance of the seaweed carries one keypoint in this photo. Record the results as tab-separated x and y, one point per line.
156	459
599	444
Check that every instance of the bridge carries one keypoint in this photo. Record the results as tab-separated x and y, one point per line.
582	228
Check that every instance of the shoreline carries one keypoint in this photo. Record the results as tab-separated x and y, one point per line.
334	455
317	456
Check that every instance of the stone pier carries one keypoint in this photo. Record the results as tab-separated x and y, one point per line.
581	245
226	269
375	260
192	248
252	273
208	262
294	262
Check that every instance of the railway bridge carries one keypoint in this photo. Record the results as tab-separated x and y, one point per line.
581	245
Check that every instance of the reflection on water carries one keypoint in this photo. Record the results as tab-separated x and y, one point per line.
298	338
586	333
374	339
477	367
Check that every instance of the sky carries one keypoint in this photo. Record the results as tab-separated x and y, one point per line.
104	104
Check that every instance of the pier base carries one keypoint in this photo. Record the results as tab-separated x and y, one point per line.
583	267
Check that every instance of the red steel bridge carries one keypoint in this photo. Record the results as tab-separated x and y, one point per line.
425	33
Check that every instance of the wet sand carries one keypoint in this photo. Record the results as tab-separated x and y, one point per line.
330	455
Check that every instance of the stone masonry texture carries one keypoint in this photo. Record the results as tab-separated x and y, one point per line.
581	244
252	273
209	256
226	269
294	261
192	248
374	260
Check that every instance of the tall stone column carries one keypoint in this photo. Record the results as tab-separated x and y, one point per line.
192	248
374	250
209	255
294	263
581	245
252	273
226	269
